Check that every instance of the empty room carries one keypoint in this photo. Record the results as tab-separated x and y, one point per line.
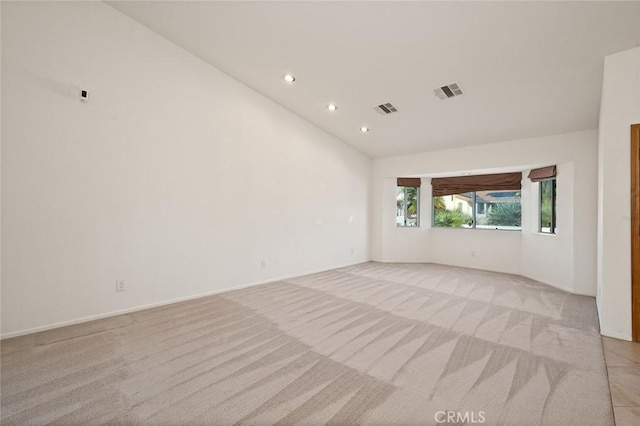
367	212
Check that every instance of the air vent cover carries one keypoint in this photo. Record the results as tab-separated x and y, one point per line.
448	91
387	108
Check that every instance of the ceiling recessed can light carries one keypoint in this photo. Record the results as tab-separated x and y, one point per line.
364	129
289	78
332	107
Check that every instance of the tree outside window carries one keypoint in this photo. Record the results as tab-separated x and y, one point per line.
493	209
407	206
548	206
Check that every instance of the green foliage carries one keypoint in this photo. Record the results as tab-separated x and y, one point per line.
505	214
412	201
545	213
545	207
450	218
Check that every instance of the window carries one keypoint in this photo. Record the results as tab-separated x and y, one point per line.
546	176
548	206
407	206
499	209
478	201
453	211
408	202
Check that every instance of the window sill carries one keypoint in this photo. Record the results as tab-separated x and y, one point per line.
478	229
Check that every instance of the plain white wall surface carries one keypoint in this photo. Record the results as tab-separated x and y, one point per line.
551	258
620	109
173	177
565	260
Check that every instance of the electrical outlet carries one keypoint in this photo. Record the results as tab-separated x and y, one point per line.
120	285
352	250
263	264
473	254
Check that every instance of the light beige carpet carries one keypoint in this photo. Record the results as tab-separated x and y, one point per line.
372	343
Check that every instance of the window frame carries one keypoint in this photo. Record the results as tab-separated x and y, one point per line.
552	228
474	218
404	207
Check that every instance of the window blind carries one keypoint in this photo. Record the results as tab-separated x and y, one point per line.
543	173
412	182
460	184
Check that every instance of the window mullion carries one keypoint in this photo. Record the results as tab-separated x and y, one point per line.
553	207
473	210
540	200
405	211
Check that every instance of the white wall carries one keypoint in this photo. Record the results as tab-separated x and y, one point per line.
0	175
619	109
565	260
551	258
173	177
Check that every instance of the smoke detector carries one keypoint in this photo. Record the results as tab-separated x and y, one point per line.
386	108
448	91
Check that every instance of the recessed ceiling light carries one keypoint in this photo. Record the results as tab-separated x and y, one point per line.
364	129
289	78
332	107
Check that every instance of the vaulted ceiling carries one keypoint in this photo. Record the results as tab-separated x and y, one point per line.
526	68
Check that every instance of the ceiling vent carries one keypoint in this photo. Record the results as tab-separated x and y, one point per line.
387	108
448	91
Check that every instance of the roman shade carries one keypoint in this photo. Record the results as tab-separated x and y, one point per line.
543	173
412	182
460	184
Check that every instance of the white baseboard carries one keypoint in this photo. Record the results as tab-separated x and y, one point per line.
559	287
616	335
500	271
163	303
